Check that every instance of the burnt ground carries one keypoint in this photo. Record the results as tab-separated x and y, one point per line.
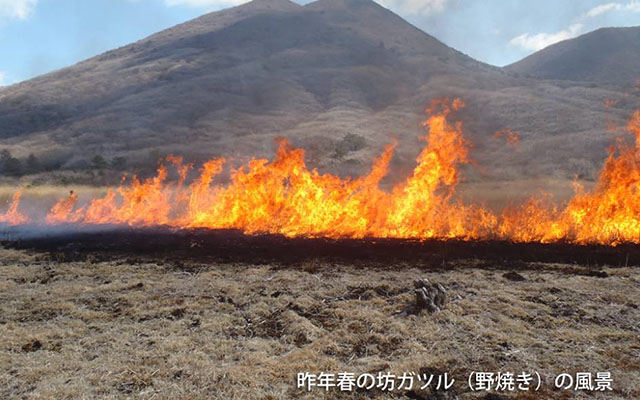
202	245
217	314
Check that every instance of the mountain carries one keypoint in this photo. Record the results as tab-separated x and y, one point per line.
337	77
604	56
222	73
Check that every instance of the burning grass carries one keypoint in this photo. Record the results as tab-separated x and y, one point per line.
286	197
157	328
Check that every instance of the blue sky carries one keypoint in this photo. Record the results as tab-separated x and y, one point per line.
38	36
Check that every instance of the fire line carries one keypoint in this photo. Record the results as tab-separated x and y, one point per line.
285	197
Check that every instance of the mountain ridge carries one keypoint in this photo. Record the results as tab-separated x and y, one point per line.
608	55
227	83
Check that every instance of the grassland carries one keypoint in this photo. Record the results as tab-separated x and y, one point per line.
126	328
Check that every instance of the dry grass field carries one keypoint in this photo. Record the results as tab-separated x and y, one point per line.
126	328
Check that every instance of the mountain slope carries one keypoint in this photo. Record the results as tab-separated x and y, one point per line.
246	59
229	82
220	74
605	56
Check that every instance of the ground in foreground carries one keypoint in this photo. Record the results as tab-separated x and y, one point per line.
126	328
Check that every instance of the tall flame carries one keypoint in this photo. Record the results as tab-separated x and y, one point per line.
609	214
12	216
62	211
285	197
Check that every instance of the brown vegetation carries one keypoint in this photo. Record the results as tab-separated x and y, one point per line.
182	330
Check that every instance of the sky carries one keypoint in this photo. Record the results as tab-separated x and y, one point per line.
39	36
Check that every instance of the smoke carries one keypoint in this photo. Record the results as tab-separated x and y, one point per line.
38	231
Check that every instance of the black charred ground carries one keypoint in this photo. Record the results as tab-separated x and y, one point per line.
229	246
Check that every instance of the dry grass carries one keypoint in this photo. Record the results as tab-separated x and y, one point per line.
52	191
158	330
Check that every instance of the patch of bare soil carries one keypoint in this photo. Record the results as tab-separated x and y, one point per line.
119	327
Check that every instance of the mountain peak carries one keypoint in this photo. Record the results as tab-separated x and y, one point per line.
266	60
606	55
342	4
279	5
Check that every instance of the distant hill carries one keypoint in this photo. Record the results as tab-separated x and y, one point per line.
606	56
229	82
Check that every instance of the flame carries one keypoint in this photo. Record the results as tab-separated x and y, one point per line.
285	197
288	198
511	136
12	216
62	211
608	103
610	214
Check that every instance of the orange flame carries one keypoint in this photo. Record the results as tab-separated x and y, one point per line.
608	103
286	197
13	216
62	211
609	214
511	137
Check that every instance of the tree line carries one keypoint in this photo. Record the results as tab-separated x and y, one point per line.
15	167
